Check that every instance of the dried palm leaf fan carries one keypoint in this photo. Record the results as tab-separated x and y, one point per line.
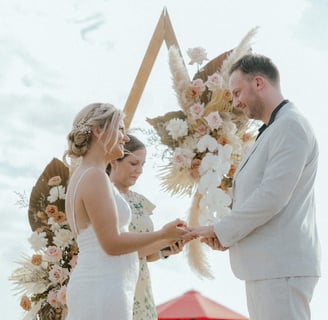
41	189
159	125
211	67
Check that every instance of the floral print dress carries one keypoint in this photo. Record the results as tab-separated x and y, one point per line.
144	306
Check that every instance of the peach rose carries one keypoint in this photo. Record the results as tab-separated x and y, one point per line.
36	259
59	217
223	140
232	170
195	89
51	210
54	181
227	95
246	137
25	303
194	173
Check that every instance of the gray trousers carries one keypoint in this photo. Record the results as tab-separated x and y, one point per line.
281	298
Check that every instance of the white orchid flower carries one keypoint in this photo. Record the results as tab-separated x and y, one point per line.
207	143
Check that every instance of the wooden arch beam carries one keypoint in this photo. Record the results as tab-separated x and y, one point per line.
163	32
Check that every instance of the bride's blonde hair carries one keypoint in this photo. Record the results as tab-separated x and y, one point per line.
96	115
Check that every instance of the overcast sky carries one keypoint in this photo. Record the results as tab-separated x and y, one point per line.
58	56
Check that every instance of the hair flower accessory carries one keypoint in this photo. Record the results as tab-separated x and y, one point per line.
220	136
82	127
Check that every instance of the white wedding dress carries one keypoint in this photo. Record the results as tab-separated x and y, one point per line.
101	287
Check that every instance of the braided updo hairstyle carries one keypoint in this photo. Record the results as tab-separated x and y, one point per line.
96	115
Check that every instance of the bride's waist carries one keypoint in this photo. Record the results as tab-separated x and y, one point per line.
97	257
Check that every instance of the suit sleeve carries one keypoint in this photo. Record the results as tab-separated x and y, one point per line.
289	151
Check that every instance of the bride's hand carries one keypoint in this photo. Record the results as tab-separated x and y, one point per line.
175	230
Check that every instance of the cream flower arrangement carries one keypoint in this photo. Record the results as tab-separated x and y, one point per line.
41	278
206	139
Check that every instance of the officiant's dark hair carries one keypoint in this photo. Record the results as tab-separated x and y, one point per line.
256	64
132	145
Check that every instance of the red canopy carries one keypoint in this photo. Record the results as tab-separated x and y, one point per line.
192	305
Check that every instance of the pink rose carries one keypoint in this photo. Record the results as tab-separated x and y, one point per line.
57	274
54	254
196	110
213	120
61	295
73	261
197	55
52	299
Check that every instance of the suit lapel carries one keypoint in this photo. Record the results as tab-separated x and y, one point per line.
248	155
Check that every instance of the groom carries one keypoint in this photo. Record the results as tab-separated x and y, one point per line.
271	232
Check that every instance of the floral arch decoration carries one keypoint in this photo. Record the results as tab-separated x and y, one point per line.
205	139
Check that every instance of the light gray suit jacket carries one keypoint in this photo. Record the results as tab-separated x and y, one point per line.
271	230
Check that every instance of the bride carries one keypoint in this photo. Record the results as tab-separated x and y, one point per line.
103	282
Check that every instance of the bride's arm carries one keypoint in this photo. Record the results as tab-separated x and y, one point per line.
98	200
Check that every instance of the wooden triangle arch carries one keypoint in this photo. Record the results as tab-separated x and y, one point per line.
163	32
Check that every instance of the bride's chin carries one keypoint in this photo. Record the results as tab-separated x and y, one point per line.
117	154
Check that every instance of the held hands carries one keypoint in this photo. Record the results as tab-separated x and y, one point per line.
207	236
214	243
177	230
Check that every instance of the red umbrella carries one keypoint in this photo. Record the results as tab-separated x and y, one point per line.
193	306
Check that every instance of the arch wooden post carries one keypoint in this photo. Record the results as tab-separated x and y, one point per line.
163	32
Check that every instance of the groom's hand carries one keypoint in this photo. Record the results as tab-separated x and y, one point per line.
214	243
